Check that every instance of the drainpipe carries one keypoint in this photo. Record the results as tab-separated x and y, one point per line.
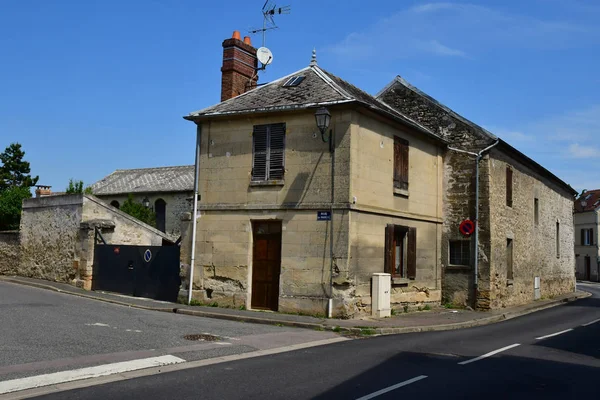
331	256
478	157
195	212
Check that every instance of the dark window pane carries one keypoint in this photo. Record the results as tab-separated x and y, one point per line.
460	252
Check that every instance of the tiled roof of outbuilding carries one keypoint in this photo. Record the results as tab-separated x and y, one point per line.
589	201
319	88
146	180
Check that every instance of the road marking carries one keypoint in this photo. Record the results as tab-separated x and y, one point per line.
222	343
491	353
593	322
31	382
553	334
98	324
390	388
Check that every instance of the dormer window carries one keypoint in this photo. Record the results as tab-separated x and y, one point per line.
294	81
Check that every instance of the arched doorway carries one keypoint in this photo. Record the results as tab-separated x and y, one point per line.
115	204
160	208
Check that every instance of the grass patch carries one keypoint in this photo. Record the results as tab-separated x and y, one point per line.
427	307
405	309
242	307
367	331
337	329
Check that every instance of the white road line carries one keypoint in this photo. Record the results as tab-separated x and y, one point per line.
491	353
31	382
390	388
593	322
553	334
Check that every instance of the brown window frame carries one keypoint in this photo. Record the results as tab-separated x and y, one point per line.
509	187
393	235
268	152
401	163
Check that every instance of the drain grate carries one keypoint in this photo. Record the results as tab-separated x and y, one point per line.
202	337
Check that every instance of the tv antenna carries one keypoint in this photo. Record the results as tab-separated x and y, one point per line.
269	11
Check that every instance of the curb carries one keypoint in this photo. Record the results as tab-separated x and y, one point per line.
316	326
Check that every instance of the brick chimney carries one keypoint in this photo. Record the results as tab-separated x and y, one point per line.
238	73
42	191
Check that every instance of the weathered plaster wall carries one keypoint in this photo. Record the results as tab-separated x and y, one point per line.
367	251
49	237
458	191
587	220
534	246
10	253
176	206
128	230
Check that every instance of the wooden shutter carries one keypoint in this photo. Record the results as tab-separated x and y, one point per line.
411	256
260	150
582	237
509	187
389	249
591	236
276	151
400	163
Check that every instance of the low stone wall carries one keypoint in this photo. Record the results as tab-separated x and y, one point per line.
10	253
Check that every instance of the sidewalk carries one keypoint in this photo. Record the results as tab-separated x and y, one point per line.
434	320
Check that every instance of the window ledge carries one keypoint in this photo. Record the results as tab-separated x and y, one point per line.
401	192
400	281
458	267
277	182
509	282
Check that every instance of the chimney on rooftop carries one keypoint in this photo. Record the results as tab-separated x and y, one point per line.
42	190
238	73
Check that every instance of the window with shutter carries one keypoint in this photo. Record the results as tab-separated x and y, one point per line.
400	251
268	152
400	163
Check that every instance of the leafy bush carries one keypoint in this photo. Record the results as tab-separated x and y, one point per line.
11	201
137	210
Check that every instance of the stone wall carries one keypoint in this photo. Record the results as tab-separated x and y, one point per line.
10	253
177	205
534	245
50	236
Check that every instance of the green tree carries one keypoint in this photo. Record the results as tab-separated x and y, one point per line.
74	187
137	210
15	172
11	200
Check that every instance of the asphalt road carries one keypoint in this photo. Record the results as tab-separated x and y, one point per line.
44	332
529	364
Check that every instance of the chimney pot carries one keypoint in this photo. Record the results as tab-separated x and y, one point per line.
236	35
238	72
247	40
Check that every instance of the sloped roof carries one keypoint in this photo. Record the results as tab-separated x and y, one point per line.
146	180
502	145
319	88
589	201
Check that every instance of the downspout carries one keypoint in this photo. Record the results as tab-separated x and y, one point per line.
195	212
478	157
331	256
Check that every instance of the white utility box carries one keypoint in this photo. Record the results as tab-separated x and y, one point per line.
380	298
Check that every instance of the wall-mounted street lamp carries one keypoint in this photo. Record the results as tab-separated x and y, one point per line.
146	202
323	118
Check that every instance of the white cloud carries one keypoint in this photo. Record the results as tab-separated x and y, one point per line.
458	30
577	151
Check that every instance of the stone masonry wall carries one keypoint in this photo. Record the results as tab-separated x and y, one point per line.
49	237
10	253
534	245
459	191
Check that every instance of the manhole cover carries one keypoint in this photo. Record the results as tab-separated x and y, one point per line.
202	337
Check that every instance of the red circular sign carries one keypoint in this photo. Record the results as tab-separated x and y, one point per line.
467	227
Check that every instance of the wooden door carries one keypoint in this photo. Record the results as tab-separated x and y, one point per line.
266	264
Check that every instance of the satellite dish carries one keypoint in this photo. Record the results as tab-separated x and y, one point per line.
264	55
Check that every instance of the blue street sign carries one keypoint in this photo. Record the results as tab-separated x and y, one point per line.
147	255
323	215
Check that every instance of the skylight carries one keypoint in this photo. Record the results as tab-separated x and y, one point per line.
294	81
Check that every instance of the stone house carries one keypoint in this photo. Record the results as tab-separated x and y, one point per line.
525	212
587	235
287	221
167	190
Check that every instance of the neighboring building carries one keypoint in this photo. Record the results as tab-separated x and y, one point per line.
587	235
167	190
525	213
263	234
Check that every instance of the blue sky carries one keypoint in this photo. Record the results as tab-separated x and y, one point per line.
92	86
